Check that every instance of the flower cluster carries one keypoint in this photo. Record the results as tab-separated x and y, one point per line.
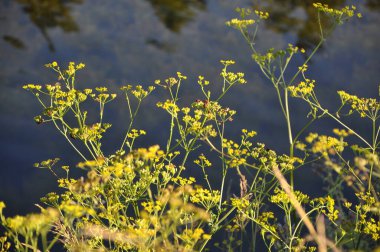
90	132
170	106
241	204
134	133
342	132
325	145
151	207
27	229
366	107
140	93
240	23
266	220
369	212
272	57
244	22
206	198
202	161
232	77
262	14
328	207
172	81
339	15
282	199
305	89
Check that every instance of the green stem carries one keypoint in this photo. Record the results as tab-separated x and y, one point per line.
303	129
67	138
325	111
286	98
306	61
132	118
224	91
170	134
51	244
290	135
280	100
374	144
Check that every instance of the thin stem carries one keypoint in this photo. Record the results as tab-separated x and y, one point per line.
306	61
286	98
89	149
67	138
132	118
280	101
325	111
377	136
303	129
51	244
170	134
370	188
225	91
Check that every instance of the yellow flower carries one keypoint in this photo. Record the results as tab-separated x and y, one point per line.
262	14
240	24
206	236
340	15
342	132
240	203
304	89
16	223
2	206
303	68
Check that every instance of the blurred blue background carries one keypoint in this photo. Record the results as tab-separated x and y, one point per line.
138	41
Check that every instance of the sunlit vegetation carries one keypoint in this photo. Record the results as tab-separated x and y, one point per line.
141	199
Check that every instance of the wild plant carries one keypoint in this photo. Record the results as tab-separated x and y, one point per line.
140	199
